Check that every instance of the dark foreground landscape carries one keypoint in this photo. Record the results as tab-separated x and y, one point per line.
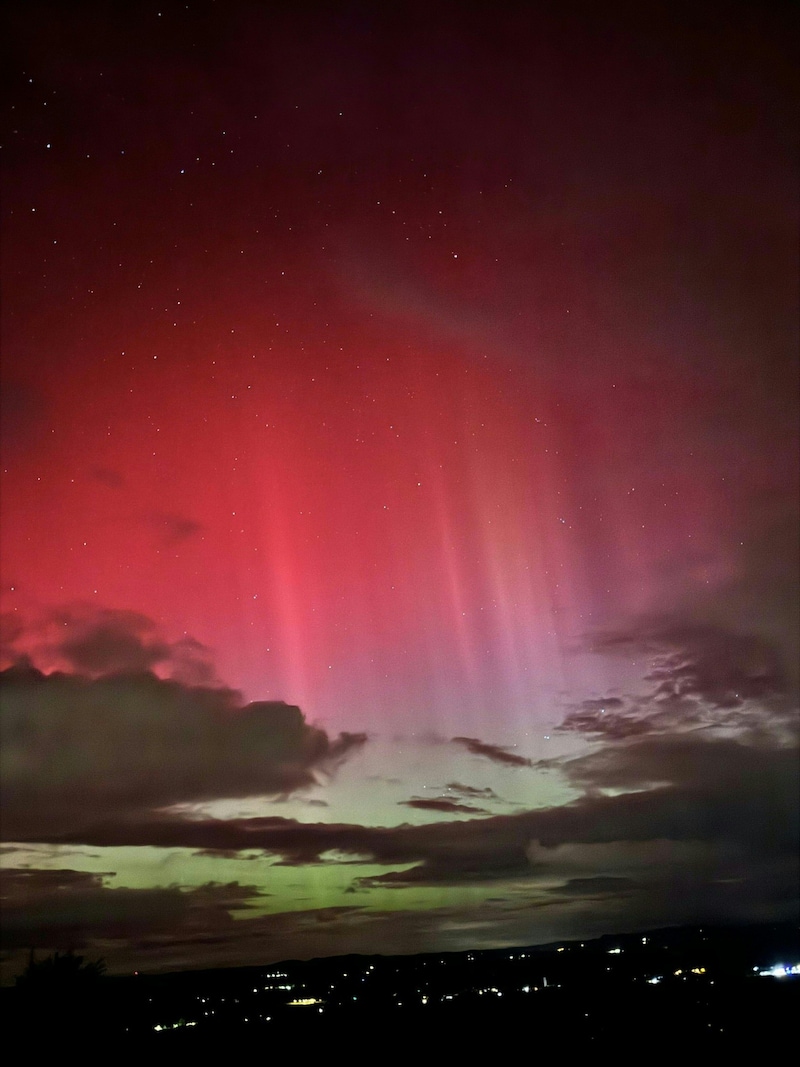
683	991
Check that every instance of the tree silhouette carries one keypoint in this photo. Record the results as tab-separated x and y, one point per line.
60	973
63	990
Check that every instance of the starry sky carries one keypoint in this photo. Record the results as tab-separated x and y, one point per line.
399	476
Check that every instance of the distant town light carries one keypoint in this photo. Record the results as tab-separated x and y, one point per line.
781	970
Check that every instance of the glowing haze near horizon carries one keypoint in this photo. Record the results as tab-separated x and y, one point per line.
432	372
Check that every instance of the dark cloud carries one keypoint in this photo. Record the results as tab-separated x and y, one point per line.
94	641
761	811
227	854
703	662
190	662
493	752
199	931
739	799
65	909
669	829
723	669
113	641
60	908
763	592
205	935
602	704
721	770
443	804
600	718
700	677
454	802
73	746
599	885
675	823
18	884
647	715
720	888
472	790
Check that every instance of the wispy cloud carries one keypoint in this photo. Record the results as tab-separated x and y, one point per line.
496	753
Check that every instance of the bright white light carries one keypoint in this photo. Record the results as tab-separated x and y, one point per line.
781	970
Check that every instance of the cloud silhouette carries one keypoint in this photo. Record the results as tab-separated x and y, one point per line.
85	639
496	753
66	909
472	790
705	677
721	667
443	804
130	742
113	641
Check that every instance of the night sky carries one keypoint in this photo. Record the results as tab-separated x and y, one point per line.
399	475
